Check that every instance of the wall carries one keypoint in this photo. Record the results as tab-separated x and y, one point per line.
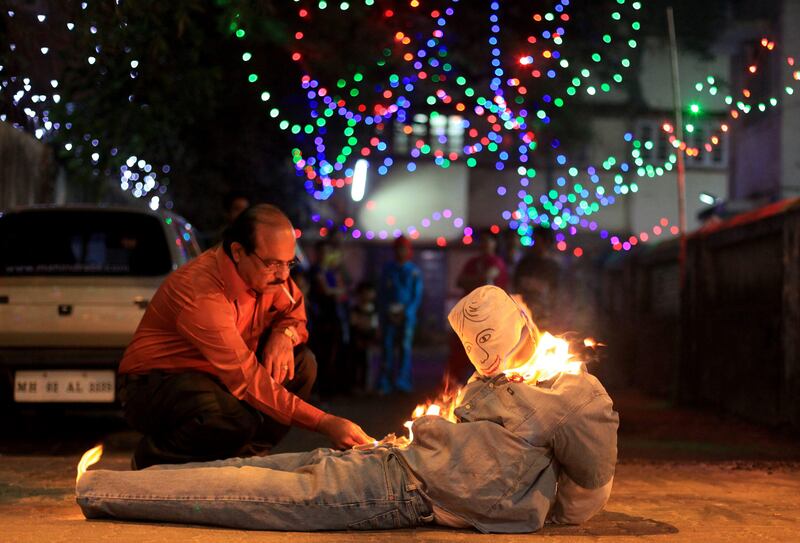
730	338
26	167
405	198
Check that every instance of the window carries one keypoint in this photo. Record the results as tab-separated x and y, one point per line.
656	147
83	242
443	133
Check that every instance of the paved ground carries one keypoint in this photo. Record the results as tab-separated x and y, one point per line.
684	475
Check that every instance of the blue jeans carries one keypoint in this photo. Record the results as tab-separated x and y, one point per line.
395	372
318	490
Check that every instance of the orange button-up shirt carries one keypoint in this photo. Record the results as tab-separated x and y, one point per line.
205	318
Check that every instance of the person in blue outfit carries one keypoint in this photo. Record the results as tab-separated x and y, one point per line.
399	296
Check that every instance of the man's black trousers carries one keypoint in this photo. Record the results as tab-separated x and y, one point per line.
191	416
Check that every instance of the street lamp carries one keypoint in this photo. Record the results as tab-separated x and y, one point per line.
708	199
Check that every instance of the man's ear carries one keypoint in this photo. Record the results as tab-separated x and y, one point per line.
237	251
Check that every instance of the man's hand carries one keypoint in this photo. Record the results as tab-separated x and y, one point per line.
278	357
343	433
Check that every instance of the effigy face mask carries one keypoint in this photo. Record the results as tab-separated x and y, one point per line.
491	326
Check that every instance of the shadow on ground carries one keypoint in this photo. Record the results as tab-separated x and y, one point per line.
613	524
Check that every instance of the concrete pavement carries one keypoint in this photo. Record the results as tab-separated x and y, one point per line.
684	475
657	501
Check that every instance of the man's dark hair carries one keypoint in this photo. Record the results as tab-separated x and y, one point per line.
544	236
242	229
486	233
232	196
364	286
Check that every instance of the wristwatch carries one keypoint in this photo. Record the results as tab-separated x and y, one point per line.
291	334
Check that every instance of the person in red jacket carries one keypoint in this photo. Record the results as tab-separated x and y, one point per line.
485	268
218	365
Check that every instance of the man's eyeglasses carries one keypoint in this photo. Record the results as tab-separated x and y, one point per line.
274	266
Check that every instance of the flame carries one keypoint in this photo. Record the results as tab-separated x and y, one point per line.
592	343
551	357
89	458
444	406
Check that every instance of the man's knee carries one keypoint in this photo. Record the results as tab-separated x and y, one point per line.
305	372
305	365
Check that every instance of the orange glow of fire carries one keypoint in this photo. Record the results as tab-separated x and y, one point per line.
444	406
89	458
551	357
592	343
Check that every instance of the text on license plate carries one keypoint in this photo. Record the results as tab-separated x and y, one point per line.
64	386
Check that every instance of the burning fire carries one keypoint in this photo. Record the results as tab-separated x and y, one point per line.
445	407
90	457
551	357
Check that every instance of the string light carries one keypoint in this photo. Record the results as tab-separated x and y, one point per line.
141	180
499	124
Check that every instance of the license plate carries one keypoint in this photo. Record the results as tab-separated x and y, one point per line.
95	386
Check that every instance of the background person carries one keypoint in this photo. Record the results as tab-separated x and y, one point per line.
540	278
329	313
218	365
485	268
363	335
399	297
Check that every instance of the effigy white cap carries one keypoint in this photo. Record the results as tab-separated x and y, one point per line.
491	326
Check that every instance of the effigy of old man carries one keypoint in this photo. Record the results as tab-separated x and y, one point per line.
533	440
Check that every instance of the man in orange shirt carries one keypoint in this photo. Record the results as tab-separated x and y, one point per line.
218	366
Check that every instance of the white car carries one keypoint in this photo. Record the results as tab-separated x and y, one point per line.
74	283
